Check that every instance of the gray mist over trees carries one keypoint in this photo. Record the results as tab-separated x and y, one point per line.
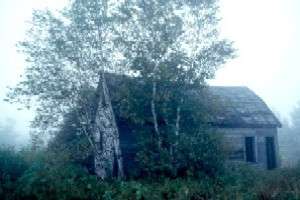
70	52
285	139
11	135
289	139
123	110
8	135
279	90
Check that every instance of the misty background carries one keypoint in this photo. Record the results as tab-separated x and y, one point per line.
266	34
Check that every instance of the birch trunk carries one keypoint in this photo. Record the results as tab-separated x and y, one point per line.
105	134
177	126
115	133
178	118
154	114
177	129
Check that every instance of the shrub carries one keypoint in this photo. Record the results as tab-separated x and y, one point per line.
71	142
240	181
64	182
200	153
280	184
50	177
191	155
12	166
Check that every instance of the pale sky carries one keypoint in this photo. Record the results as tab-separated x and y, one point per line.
266	34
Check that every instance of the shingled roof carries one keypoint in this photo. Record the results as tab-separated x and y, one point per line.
239	107
232	107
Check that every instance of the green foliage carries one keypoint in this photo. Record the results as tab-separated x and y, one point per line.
66	50
153	161
12	167
11	163
240	181
196	149
244	182
201	153
173	40
280	184
52	176
169	45
190	155
71	142
180	189
44	181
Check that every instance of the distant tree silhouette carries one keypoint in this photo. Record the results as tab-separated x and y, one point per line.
289	139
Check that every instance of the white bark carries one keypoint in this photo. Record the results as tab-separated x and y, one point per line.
116	134
154	114
177	126
106	136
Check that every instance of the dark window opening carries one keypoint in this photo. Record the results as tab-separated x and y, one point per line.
270	150
250	149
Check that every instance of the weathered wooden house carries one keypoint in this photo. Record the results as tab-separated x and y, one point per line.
249	126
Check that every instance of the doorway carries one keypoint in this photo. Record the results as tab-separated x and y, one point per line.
270	151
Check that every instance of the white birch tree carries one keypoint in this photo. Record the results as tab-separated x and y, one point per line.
68	52
173	41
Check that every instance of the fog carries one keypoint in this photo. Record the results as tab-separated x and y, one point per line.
14	18
265	34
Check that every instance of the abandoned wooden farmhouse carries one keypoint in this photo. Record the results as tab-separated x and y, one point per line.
249	126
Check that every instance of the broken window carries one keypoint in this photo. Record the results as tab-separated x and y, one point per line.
235	147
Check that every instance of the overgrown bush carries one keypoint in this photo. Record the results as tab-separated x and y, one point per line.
12	166
240	181
57	182
191	155
71	183
280	184
71	143
201	153
52	176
